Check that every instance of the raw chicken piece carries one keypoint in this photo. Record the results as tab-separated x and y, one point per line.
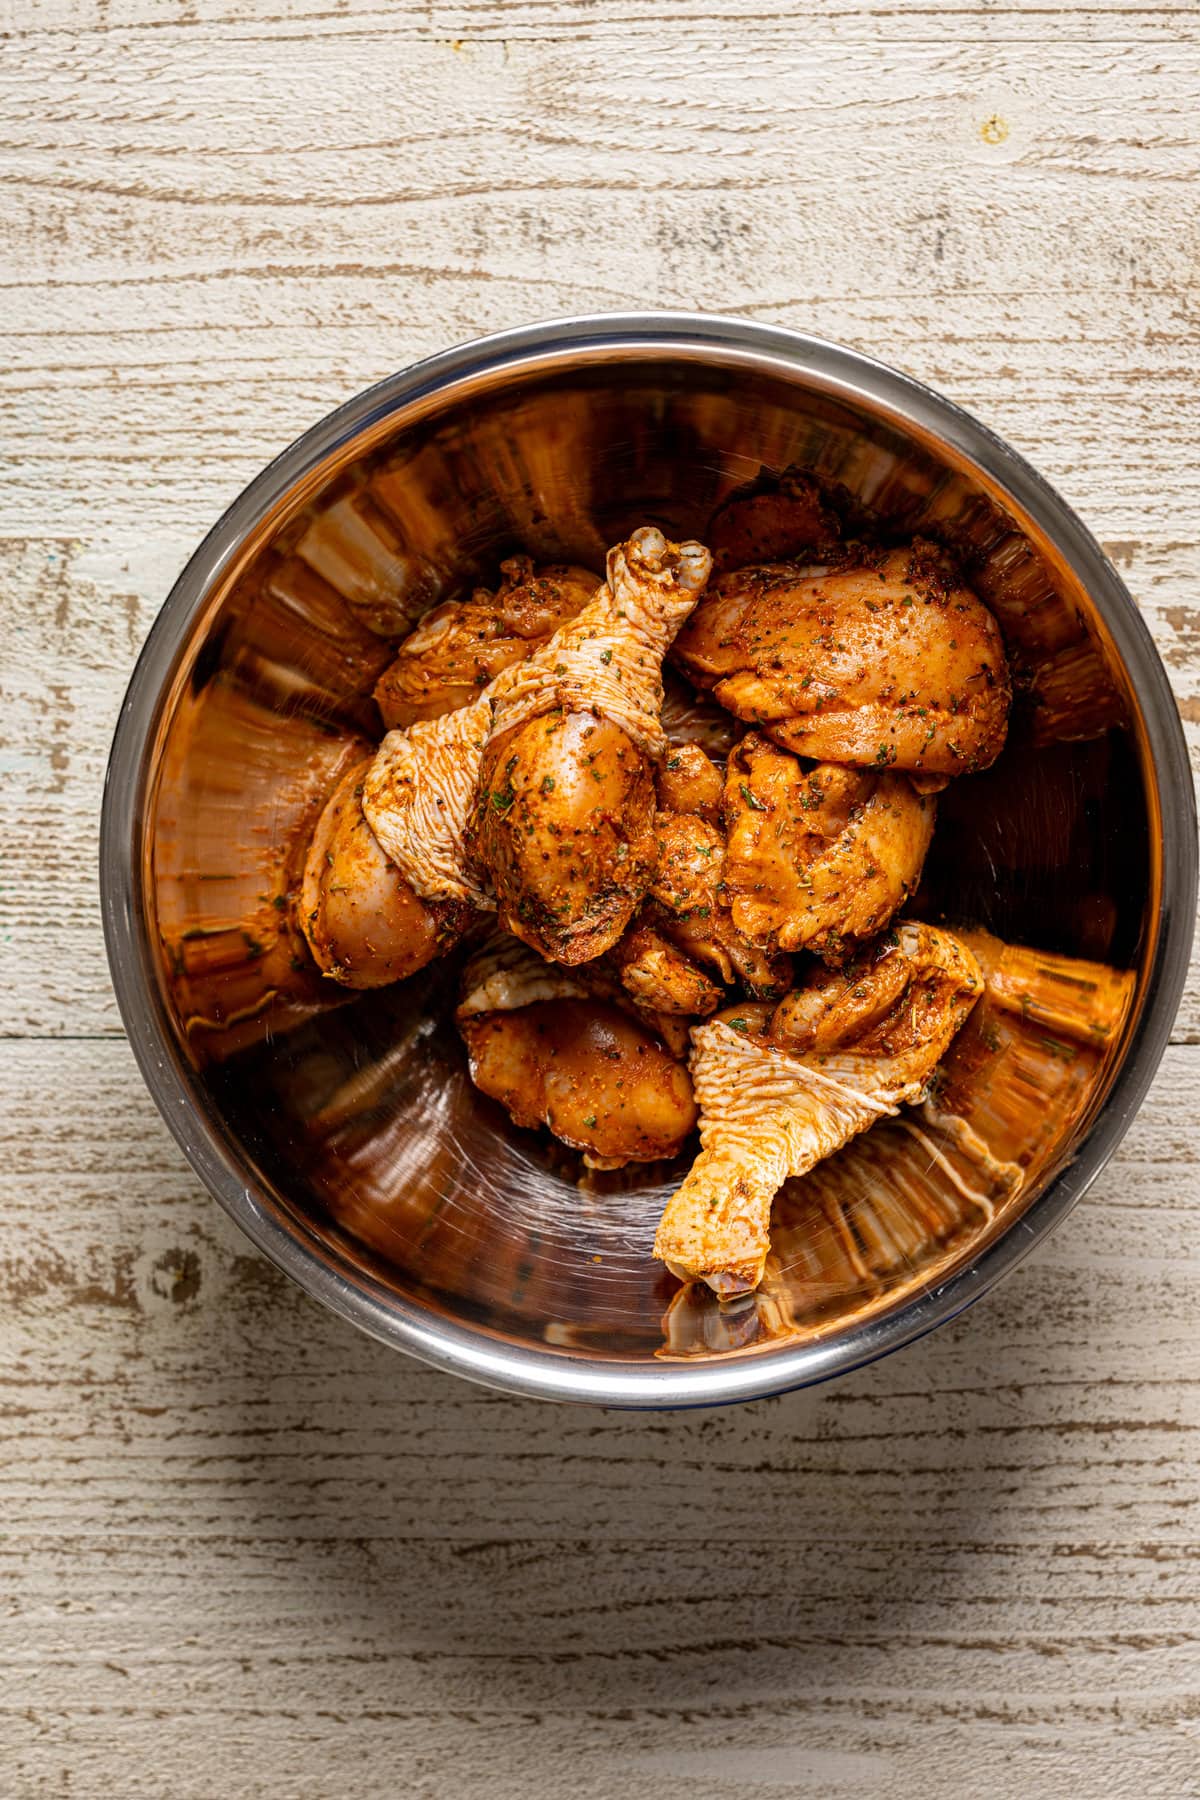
561	827
419	790
688	904
886	663
386	887
688	781
772	523
775	1099
657	974
364	923
418	794
462	645
553	1054
818	857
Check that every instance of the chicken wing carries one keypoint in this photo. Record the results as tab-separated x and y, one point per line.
461	645
776	1097
553	1054
818	857
688	904
658	974
364	923
884	662
562	824
688	781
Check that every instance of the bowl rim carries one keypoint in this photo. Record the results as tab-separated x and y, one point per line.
405	1324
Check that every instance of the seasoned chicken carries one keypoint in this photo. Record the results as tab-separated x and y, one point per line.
386	887
688	904
364	923
818	856
888	662
658	974
779	1092
688	781
562	824
771	523
684	944
460	646
553	1054
418	794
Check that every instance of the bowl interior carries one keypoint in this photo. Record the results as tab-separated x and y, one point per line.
352	1118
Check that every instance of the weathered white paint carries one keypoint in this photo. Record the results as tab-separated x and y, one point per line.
244	1549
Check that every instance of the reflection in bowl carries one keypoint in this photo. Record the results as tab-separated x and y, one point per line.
341	1128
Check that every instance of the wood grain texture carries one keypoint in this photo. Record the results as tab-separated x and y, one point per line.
246	1550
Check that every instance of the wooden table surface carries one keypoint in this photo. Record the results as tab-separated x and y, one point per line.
248	1552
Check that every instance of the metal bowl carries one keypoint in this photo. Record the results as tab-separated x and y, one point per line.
341	1133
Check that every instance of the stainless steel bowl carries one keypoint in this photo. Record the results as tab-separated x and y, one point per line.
342	1135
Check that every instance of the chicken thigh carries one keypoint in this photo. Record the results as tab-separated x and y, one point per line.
884	662
778	1092
552	1053
561	826
460	646
818	857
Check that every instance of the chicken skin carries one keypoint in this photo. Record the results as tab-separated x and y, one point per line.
688	781
818	857
562	824
462	645
886	661
418	793
658	974
688	904
778	1092
364	924
772	523
554	1054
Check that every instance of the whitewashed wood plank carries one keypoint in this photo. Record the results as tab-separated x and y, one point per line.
568	20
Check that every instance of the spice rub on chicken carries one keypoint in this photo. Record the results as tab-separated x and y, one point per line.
881	660
818	856
417	793
688	904
554	1053
780	1089
774	520
459	647
365	925
561	825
